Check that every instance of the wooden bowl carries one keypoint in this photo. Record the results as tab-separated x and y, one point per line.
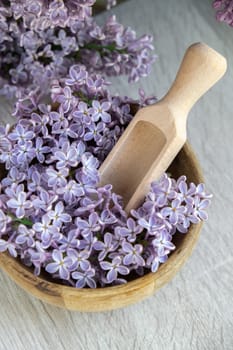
110	298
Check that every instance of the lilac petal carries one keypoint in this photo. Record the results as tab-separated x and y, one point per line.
81	283
85	265
111	275
128	259
57	255
105	265
123	270
91	283
52	267
64	273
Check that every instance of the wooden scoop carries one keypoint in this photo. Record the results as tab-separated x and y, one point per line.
157	132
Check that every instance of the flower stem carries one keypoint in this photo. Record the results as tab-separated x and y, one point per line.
23	221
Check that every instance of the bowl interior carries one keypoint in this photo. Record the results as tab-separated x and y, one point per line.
49	290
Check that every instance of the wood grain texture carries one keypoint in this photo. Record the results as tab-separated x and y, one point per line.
195	310
158	132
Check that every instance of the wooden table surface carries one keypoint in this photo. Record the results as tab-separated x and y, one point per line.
195	310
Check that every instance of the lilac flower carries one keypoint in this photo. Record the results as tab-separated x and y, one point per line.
69	241
58	216
83	113
224	11
59	120
154	260
57	178
90	165
175	212
8	245
80	259
40	150
71	191
4	220
67	156
48	231
99	111
153	224
114	268
14	177
105	247
25	235
60	264
133	254
34	184
20	203
77	75
130	231
85	278
200	207
41	123
24	152
20	134
44	201
66	99
94	132
92	225
163	243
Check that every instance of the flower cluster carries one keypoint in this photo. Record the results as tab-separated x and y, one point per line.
53	214
40	40
224	11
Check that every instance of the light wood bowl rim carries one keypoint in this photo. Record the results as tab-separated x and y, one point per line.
108	298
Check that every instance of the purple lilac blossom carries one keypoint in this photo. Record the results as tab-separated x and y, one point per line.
224	11
54	215
40	40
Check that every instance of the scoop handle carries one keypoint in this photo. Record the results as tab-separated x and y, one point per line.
200	69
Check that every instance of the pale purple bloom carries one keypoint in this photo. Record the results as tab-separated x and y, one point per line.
90	165
60	264
47	229
14	177
44	200
4	220
80	259
66	99
41	123
153	224
200	207
175	212
25	235
58	216
163	243
82	113
77	75
57	178
69	241
24	152
90	225
94	132
85	278
8	245
67	156
20	203
59	120
99	111
71	191
154	260
40	149
114	268
35	181
133	254
105	247
20	134
130	231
